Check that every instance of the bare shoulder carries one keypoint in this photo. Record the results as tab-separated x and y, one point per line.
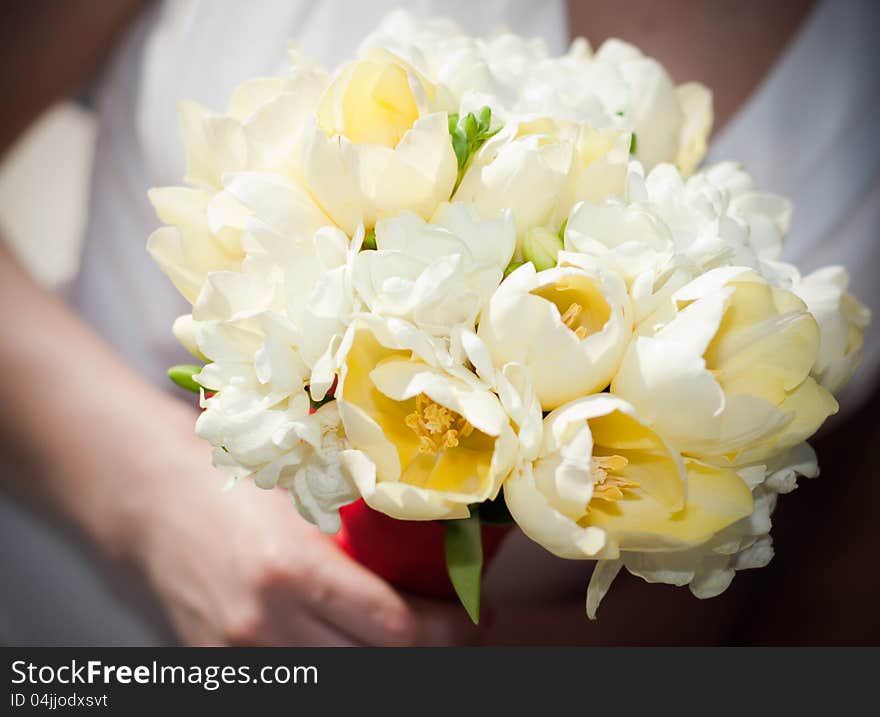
695	40
51	49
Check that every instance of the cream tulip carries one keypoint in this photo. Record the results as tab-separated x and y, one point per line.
540	168
723	369
380	144
436	442
604	482
708	569
568	325
842	321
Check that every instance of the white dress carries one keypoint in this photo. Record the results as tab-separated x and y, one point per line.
808	133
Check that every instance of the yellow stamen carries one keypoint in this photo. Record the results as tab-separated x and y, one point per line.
608	483
570	316
436	426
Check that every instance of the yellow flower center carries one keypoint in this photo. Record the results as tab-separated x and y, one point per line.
570	316
436	426
580	302
608	483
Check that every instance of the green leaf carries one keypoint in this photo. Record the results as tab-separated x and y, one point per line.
452	118
494	511
464	562
633	144
183	374
512	267
369	240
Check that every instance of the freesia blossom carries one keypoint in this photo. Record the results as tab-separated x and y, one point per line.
671	124
568	325
663	222
438	274
437	442
258	418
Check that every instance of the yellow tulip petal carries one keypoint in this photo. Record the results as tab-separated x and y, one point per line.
766	344
808	405
649	462
717	497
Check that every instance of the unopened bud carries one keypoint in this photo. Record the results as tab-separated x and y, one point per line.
541	247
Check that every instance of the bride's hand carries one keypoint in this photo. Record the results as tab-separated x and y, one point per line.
241	567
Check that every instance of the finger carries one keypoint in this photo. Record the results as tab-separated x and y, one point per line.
441	624
359	602
302	629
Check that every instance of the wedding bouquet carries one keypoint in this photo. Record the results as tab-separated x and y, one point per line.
459	282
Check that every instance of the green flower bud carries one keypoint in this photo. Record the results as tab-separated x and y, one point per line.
485	118
460	146
183	376
512	267
471	128
541	246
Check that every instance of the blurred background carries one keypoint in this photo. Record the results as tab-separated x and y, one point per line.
44	190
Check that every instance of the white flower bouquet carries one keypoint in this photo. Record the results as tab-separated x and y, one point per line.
459	282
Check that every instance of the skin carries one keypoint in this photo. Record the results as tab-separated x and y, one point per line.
755	32
241	567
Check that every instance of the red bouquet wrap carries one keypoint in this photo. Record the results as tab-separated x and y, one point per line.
408	554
